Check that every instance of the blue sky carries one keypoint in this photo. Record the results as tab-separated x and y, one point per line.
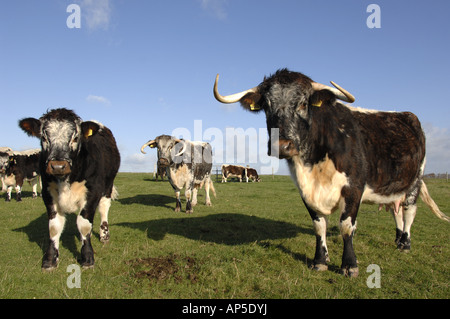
145	68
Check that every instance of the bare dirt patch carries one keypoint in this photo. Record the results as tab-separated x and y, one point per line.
164	268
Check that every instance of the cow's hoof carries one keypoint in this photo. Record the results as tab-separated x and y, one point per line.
319	267
49	265
49	269
104	239
177	210
404	246
350	272
87	266
208	204
190	211
404	249
87	262
104	232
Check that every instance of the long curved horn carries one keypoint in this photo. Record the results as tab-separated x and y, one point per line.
184	146
340	92
145	145
233	98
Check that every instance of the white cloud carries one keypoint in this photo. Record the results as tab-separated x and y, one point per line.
215	8
98	99
138	162
96	13
438	149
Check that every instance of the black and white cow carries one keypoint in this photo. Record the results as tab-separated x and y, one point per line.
4	160
78	164
188	165
229	170
22	167
340	156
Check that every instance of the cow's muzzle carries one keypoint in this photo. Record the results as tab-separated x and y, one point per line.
282	149
163	162
58	168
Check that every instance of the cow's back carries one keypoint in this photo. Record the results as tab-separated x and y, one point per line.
394	145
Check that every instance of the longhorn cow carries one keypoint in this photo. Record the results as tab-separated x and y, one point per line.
340	156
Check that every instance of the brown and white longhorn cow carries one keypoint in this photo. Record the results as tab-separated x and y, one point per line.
229	170
340	156
188	165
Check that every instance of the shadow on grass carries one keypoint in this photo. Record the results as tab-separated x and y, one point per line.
25	194
37	232
150	200
228	229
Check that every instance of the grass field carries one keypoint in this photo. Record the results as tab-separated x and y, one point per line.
256	241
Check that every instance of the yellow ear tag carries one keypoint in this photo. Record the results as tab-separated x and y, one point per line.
152	145
318	104
253	107
90	132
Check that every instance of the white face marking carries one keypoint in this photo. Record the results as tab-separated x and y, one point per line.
60	135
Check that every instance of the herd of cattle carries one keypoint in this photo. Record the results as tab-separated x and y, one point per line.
339	156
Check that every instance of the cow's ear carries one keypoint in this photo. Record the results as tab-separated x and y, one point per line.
31	126
89	128
252	102
322	97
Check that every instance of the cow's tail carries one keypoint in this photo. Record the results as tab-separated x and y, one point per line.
114	193
211	186
431	204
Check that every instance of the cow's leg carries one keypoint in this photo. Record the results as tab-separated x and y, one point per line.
320	228
189	209
103	209
398	218
347	226
84	223
19	193
4	187
178	205
207	186
409	213
8	193
194	196
55	226
321	256
34	184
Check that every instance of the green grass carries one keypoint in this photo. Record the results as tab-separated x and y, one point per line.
256	241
